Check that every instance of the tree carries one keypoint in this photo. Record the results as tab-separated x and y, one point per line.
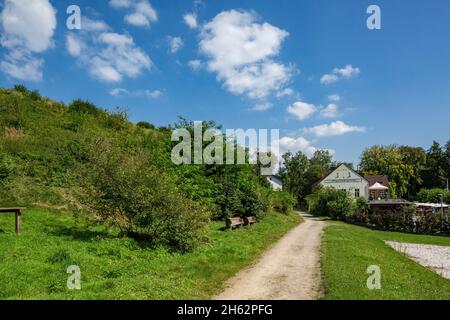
301	174
387	160
416	158
294	174
434	174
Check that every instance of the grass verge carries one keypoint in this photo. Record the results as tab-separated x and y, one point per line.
348	251
33	265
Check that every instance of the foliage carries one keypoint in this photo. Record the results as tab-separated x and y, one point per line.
434	195
336	204
283	201
387	160
436	171
129	192
301	174
83	106
145	125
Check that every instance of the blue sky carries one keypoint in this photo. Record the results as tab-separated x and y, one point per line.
388	86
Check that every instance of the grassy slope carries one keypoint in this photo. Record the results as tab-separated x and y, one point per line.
33	265
348	250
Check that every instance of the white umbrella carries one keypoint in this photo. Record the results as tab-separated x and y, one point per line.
378	186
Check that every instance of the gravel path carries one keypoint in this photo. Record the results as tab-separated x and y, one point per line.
437	258
289	270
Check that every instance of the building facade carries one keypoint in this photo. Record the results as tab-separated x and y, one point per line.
344	178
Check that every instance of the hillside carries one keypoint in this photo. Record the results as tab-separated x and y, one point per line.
44	143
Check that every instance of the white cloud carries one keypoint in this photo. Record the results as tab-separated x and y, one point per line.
347	72
302	110
241	52
22	65
190	19
27	28
175	44
120	3
262	106
151	94
74	45
334	97
195	64
337	128
285	92
108	56
142	12
294	145
330	111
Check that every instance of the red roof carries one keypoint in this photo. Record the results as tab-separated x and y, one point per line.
381	179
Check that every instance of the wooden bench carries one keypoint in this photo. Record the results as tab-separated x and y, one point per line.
18	212
234	222
248	221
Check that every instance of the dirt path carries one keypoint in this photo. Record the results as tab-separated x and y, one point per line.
289	270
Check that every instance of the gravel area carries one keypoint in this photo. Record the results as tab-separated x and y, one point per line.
436	258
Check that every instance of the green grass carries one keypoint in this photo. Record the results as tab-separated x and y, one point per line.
33	265
349	250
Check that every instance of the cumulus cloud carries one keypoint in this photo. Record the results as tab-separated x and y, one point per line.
190	19
175	44
337	128
108	56
241	51
27	28
339	73
330	111
302	110
141	14
294	145
151	94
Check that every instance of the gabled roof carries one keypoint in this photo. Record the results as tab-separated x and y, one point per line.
362	177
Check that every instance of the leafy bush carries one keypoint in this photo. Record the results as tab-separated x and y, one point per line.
83	106
336	204
145	125
127	191
283	202
434	195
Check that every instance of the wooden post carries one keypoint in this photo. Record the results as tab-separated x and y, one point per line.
18	217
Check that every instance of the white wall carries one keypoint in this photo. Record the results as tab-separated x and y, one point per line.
345	179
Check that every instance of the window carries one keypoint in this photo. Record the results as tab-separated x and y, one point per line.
357	193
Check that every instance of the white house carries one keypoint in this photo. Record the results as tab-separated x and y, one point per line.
344	178
275	182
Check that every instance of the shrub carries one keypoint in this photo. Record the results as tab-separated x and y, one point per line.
145	125
83	106
143	201
336	204
434	195
21	88
283	202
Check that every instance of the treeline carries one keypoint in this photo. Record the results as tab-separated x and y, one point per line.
409	169
82	158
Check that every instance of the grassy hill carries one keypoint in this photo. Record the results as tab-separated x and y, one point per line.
43	144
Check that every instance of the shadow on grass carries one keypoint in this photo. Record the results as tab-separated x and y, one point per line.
80	234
